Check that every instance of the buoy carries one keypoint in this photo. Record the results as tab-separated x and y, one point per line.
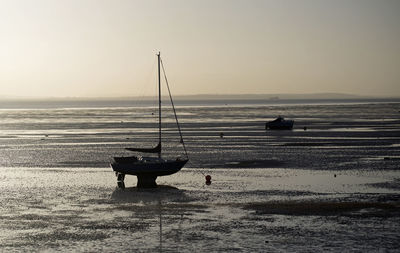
208	180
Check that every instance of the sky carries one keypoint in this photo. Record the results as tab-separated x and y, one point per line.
99	48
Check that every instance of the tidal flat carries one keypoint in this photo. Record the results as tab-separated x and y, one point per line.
332	187
82	210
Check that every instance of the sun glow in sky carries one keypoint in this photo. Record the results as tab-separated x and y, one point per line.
105	48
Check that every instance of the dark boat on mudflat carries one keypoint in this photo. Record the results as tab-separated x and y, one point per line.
279	124
147	169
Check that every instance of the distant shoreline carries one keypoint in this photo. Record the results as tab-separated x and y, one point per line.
147	102
211	97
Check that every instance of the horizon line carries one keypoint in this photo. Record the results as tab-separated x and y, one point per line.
319	95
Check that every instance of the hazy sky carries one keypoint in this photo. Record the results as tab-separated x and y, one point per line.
107	48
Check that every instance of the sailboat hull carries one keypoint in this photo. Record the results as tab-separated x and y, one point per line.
156	169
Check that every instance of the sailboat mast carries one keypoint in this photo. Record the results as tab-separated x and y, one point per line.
159	105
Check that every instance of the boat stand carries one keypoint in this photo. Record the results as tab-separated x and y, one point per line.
142	181
146	181
120	180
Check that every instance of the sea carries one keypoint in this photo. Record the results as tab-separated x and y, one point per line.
332	184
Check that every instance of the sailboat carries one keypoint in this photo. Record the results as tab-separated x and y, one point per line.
147	169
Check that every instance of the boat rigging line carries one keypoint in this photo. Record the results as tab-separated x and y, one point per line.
208	177
173	107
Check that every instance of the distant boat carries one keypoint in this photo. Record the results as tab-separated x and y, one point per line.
147	169
279	124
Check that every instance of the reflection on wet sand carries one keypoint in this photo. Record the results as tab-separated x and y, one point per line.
162	201
152	195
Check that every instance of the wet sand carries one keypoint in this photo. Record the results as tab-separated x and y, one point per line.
81	210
